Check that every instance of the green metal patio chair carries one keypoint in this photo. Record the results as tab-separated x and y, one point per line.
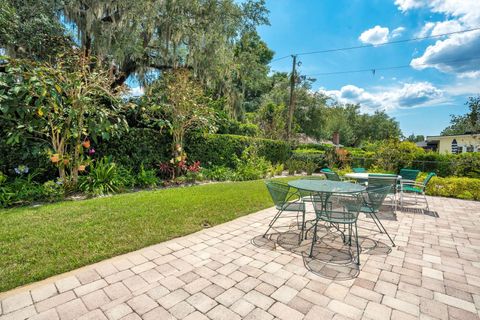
333	176
377	180
373	200
409	174
326	170
342	209
285	199
359	170
416	188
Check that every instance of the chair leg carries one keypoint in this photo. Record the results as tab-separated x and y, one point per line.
426	201
314	238
374	216
358	245
303	227
272	222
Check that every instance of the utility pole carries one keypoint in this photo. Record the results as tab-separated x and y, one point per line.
291	107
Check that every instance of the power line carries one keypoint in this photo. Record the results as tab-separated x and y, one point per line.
376	45
373	70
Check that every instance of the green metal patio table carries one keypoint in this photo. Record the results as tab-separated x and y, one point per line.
323	189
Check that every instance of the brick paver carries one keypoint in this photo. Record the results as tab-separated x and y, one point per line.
231	272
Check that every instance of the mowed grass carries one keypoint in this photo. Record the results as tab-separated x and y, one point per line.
38	242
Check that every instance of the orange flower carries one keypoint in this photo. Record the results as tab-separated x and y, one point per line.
66	161
86	144
54	158
81	168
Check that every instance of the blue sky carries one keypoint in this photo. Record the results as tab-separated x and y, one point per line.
444	72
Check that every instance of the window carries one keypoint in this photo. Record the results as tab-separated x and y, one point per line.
454	146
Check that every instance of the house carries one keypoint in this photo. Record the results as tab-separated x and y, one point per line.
454	143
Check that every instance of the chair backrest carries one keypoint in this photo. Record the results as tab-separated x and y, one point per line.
278	191
332	176
409	174
338	205
359	170
428	178
382	180
376	196
326	170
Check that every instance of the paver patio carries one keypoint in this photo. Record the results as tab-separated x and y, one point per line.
231	272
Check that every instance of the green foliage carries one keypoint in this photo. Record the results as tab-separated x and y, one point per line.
219	173
294	166
227	125
52	191
271	120
146	178
104	178
251	166
31	29
468	123
223	149
137	146
394	155
62	103
310	167
463	188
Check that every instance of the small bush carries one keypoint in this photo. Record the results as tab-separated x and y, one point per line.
104	178
310	167
218	173
463	188
146	178
251	166
53	191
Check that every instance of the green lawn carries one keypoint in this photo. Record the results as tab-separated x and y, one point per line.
38	242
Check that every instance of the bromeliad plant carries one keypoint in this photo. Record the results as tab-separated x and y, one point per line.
62	104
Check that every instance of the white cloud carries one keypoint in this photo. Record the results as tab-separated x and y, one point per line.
378	35
455	53
397	32
375	35
406	5
408	95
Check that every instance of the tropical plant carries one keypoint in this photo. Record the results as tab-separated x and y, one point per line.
63	103
104	178
251	166
146	177
179	101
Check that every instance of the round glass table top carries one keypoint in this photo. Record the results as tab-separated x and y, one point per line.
365	175
326	186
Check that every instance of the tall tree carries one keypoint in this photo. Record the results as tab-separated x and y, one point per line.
144	38
31	29
468	123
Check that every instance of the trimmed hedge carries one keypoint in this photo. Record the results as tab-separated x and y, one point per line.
137	146
462	188
224	149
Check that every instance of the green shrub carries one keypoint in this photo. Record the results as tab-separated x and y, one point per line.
251	166
146	178
137	146
317	158
225	149
294	166
104	178
52	191
462	188
218	173
310	167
